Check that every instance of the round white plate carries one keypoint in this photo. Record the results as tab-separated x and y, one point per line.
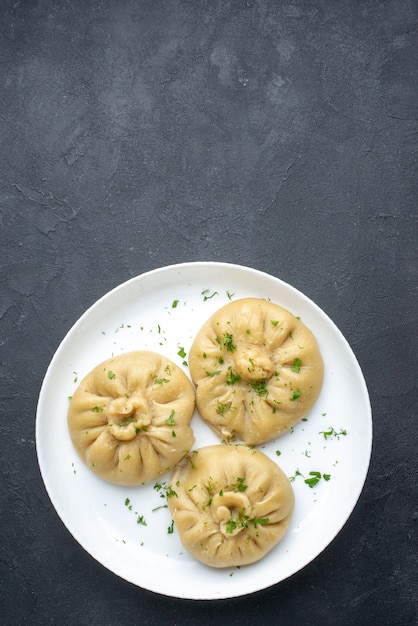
128	529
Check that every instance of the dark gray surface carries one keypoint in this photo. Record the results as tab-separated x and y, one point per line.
279	135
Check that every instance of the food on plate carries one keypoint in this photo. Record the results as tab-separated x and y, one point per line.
257	370
231	504
129	419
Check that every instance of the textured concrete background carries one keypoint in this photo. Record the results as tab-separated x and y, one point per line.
279	135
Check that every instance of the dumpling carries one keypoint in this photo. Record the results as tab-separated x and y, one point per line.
257	370
231	504
129	419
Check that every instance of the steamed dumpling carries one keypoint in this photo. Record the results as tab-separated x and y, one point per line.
231	504
257	370
129	418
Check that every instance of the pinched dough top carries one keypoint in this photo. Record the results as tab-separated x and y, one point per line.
257	370
231	504
129	418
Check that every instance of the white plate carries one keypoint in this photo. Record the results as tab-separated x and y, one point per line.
106	519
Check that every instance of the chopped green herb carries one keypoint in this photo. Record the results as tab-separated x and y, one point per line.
141	520
240	485
297	473
207	297
296	395
170	529
213	373
296	365
126	422
161	381
259	386
314	480
97	409
163	506
174	304
169	492
230	526
332	433
166	491
111	375
170	419
228	342
222	408
241	521
274	322
278	453
259	520
230	295
182	353
232	378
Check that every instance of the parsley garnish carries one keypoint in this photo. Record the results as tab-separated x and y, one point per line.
315	477
232	378
166	491
259	386
314	480
296	365
297	473
296	395
175	303
140	519
213	373
259	520
242	521
332	433
161	381
170	419
206	297
126	422
222	409
228	342
240	485
230	526
111	375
